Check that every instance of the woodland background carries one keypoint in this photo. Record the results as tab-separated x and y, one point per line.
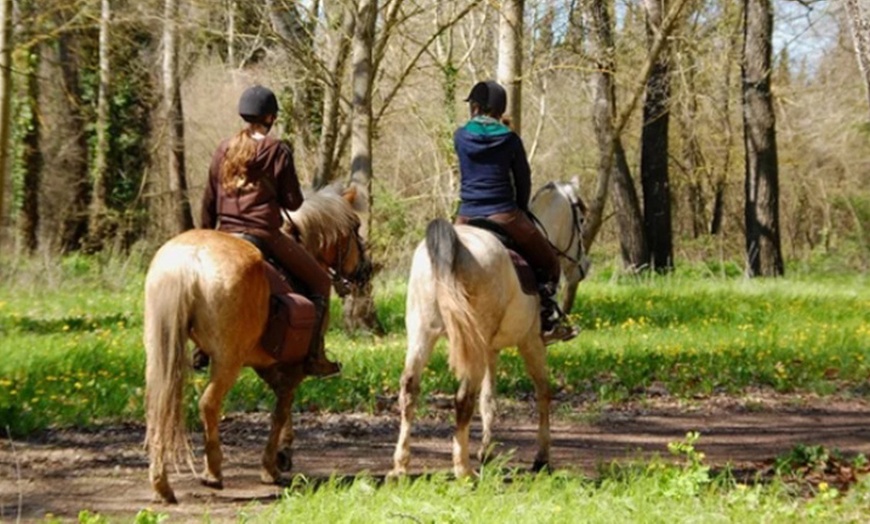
115	107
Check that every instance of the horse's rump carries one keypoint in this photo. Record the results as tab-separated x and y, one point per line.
525	272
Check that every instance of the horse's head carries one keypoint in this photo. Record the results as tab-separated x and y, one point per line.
329	227
562	216
348	262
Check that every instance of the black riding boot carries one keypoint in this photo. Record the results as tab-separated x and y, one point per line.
316	364
554	326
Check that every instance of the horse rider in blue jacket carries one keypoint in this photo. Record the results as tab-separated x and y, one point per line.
495	183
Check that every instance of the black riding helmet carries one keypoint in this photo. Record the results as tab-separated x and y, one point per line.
490	96
257	102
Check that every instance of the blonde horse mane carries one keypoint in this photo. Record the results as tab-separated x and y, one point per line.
323	217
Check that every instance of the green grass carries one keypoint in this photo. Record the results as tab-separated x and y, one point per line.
71	341
70	337
647	495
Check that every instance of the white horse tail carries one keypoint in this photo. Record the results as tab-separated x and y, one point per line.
169	298
467	355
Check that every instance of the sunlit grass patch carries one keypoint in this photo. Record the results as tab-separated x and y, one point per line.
73	354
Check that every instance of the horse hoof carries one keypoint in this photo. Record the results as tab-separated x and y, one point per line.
284	460
212	483
270	477
464	473
167	496
165	492
541	465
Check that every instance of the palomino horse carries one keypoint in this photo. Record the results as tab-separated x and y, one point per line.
211	287
561	211
463	285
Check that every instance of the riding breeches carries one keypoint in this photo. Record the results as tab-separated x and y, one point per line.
297	261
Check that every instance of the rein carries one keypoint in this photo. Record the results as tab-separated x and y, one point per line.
342	284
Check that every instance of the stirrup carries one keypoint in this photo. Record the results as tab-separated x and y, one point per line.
559	333
321	368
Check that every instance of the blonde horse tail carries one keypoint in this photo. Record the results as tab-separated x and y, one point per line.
468	353
169	295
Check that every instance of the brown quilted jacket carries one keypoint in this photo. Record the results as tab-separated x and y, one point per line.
255	209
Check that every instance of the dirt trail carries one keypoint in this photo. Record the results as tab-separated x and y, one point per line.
105	470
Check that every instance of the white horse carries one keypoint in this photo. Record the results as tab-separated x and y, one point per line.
464	285
561	211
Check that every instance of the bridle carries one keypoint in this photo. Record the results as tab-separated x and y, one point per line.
577	220
342	283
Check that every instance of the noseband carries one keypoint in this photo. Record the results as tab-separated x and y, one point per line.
344	283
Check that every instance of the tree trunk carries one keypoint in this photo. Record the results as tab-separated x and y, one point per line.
601	50
632	240
763	252
181	217
720	181
232	8
361	131
31	158
359	307
97	227
74	224
693	158
858	14
510	59
654	151
613	165
5	108
327	148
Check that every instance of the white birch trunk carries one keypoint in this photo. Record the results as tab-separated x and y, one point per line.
5	106
510	59
359	308
174	120
859	22
98	193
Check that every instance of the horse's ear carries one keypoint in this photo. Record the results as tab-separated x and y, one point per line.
575	181
355	195
349	194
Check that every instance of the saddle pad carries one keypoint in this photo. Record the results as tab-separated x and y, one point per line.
525	274
291	321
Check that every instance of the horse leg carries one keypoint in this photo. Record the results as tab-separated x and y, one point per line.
285	439
284	456
277	456
487	411
420	344
535	358
465	397
569	292
222	379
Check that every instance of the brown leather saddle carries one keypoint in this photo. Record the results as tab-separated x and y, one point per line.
292	316
525	272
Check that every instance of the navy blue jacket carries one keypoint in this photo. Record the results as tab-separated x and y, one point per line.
494	171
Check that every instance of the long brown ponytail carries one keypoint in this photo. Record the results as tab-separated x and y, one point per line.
234	169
